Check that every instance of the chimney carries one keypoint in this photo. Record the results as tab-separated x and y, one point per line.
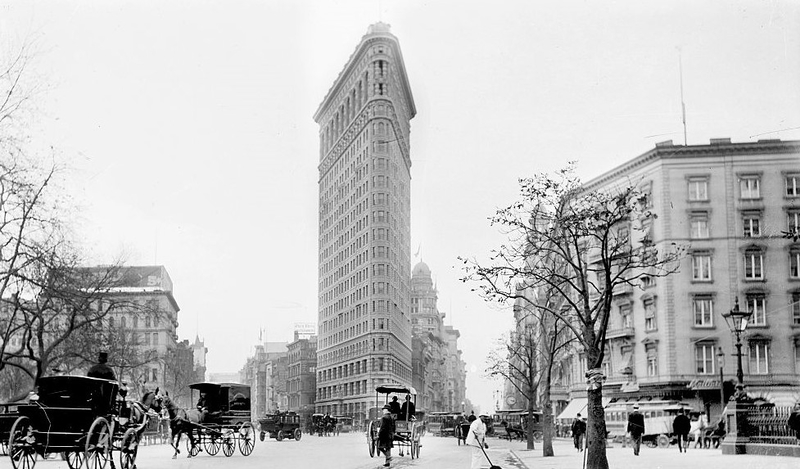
666	143
720	141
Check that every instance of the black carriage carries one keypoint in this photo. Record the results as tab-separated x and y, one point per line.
344	424
79	417
323	424
226	421
279	426
408	433
8	415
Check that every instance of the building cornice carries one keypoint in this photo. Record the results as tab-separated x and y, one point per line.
675	152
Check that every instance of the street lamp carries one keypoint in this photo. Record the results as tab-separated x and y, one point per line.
737	322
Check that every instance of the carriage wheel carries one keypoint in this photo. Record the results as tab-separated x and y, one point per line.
20	445
662	441
298	434
74	459
279	435
228	442
128	449
262	435
371	439
98	444
212	444
247	440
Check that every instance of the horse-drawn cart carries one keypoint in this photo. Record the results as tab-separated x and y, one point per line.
407	432
222	420
79	417
279	426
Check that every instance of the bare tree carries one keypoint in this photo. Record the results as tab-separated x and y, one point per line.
579	244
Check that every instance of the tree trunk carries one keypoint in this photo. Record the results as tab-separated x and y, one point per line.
596	430
547	418
529	424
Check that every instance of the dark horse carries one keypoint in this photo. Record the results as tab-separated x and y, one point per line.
181	421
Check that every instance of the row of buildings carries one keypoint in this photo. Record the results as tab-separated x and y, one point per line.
286	376
733	206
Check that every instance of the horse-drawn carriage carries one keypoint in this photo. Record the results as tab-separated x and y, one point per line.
80	417
323	424
221	421
279	426
8	415
407	432
344	424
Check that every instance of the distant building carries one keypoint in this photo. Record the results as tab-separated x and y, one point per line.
302	370
439	373
199	352
364	228
265	373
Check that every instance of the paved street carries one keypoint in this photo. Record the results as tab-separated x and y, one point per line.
350	451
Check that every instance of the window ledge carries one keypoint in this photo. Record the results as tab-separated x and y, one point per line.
702	281
695	326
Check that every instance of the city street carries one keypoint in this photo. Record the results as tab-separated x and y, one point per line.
350	451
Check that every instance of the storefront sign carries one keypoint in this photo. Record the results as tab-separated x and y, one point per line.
703	384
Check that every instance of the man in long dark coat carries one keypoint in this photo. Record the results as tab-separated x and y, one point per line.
100	369
680	427
386	434
636	428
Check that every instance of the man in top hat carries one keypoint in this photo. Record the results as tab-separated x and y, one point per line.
636	428
476	439
100	369
794	420
386	434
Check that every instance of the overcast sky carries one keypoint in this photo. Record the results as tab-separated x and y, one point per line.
190	127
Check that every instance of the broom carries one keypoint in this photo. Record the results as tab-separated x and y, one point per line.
491	465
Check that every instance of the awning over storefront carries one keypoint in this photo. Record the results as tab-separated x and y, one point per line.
571	410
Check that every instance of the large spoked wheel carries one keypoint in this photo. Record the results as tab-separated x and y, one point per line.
247	439
21	444
128	449
298	434
371	439
662	441
212	444
74	459
228	442
98	444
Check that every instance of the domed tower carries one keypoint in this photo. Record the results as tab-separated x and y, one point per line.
364	227
425	316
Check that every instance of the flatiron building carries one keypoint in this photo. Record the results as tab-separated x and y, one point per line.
364	228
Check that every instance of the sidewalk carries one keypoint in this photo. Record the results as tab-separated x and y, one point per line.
566	457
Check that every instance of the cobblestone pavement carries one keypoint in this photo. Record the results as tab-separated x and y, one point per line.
649	458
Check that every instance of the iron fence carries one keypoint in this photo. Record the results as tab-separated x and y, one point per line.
768	425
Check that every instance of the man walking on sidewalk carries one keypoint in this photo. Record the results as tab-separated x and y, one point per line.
578	429
680	427
636	428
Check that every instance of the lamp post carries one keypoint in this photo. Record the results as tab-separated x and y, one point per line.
720	365
737	322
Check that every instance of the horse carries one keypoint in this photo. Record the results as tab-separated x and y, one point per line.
181	421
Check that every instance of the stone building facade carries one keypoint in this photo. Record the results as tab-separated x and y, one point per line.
302	375
731	205
364	335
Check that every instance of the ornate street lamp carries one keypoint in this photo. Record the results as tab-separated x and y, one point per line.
737	322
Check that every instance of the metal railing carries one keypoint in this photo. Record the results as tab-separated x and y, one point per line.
768	425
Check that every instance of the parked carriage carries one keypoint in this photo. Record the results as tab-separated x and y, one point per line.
77	416
226	421
279	426
407	432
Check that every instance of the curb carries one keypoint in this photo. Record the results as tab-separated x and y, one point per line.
517	458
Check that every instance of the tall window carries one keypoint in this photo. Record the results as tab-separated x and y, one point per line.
625	316
793	221
753	264
701	266
650	323
794	262
652	359
698	189
704	359
698	225
795	308
752	225
703	308
757	304
750	187
759	357
793	185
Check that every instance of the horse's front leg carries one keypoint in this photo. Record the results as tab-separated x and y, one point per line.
175	440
